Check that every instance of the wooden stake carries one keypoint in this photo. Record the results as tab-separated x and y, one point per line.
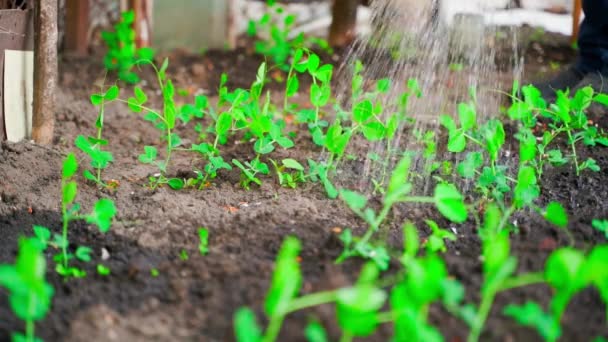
45	70
77	26
143	21
344	22
576	20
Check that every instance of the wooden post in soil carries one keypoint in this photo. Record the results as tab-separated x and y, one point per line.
143	20
45	70
344	21
77	26
576	20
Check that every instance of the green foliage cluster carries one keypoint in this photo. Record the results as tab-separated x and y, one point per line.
424	279
279	43
123	54
29	294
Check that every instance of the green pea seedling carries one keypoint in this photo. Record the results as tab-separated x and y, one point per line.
278	28
446	199
289	173
123	53
29	294
567	117
203	246
92	146
102	216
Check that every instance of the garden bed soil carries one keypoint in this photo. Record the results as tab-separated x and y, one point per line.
194	300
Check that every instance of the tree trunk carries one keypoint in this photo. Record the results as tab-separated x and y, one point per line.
344	21
45	70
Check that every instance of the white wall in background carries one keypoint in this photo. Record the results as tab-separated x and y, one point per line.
542	4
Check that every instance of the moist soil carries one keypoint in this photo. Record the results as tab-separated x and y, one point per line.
195	299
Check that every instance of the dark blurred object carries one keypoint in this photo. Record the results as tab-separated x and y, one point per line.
14	4
344	22
77	26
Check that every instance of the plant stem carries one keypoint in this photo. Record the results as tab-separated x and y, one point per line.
311	300
473	140
276	321
522	280
346	337
29	324
99	131
65	219
419	199
169	147
29	331
505	217
385	317
274	327
482	315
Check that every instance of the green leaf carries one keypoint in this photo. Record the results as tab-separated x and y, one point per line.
362	111
96	99
42	235
354	200
103	270
374	131
313	63
600	225
149	155
562	272
146	53
111	94
246	328
561	269
450	202
286	278
411	240
70	166
601	98
30	295
457	141
134	105
140	95
494	135
69	191
383	85
315	332
467	116
324	73
532	315
102	215
83	253
176	183
223	124
203	246
357	307
292	164
471	163
556	214
527	189
399	184
293	85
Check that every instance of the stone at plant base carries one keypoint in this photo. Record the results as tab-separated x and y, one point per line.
18	94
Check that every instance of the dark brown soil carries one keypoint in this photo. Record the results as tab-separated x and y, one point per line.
194	300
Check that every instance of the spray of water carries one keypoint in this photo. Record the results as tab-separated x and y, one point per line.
409	39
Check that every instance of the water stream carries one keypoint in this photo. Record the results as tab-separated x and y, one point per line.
409	40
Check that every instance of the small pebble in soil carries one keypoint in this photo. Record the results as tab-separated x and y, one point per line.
105	255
